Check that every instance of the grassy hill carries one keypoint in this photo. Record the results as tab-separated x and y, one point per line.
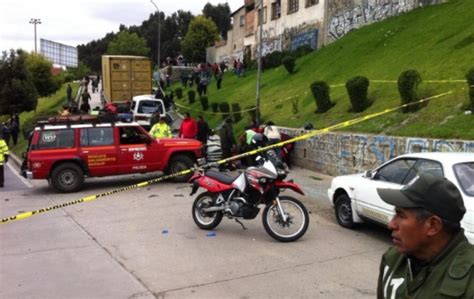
438	41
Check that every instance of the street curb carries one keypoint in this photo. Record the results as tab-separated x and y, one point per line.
16	162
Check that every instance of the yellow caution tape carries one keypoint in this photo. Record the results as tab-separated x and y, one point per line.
187	171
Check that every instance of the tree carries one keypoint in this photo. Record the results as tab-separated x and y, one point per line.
126	43
91	53
202	33
17	90
40	69
220	14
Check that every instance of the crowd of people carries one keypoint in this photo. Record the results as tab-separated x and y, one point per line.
10	129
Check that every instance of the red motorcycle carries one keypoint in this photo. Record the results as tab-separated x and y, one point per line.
238	197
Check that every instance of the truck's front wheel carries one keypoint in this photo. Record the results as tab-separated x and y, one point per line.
67	177
177	164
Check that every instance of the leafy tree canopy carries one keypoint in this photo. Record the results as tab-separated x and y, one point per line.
220	14
17	90
40	70
126	43
202	33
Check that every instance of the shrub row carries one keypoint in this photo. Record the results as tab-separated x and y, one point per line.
358	87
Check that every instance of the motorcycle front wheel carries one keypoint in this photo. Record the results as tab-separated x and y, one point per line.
206	220
295	225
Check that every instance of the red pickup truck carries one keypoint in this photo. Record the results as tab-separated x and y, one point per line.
66	152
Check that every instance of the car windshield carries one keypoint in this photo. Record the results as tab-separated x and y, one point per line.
465	175
149	107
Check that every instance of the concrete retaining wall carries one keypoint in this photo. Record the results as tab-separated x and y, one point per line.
345	153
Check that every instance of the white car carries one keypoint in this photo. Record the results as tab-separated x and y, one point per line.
144	106
355	198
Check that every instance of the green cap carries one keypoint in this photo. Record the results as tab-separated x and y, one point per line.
434	194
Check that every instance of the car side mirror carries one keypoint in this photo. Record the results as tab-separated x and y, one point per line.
368	174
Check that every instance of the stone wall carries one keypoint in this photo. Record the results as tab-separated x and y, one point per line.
346	15
345	153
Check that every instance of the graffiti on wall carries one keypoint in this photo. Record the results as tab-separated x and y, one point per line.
269	46
309	38
345	17
345	153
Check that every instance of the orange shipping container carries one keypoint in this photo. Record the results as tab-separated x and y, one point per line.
124	77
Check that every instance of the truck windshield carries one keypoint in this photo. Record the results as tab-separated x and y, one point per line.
150	107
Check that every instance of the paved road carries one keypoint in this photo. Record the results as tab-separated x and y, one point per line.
13	181
144	244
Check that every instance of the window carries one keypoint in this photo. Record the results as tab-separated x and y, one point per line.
56	139
150	107
242	21
465	174
293	6
132	135
97	136
311	2
264	15
276	10
425	166
395	172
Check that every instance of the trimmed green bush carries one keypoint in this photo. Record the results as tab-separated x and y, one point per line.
215	107
303	50
191	96
407	87
320	90
179	92
357	89
289	63
470	82
274	59
224	107
204	102
236	112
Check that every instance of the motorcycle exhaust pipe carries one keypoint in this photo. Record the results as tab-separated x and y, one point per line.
213	209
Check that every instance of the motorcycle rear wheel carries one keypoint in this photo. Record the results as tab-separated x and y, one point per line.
202	219
297	222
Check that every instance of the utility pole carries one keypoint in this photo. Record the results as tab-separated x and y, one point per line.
259	71
159	34
35	22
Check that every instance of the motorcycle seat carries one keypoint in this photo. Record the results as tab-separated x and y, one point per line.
221	177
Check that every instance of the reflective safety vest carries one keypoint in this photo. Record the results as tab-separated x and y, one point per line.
3	150
161	130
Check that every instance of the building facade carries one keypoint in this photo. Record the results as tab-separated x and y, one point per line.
290	24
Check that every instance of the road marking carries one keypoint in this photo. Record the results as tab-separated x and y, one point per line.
22	179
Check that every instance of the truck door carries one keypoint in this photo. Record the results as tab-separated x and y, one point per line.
137	153
121	89
99	151
140	76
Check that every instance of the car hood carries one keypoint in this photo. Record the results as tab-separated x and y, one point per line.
347	178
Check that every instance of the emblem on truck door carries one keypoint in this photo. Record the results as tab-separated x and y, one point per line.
138	156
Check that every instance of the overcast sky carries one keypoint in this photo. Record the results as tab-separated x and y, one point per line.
79	22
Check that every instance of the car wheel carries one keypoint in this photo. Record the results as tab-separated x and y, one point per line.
178	164
344	211
67	177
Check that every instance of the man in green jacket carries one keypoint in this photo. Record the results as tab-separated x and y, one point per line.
431	258
4	153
